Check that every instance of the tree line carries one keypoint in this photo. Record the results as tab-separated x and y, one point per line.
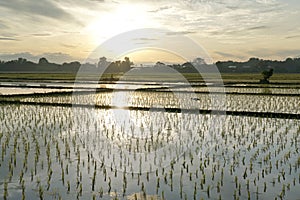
253	65
44	66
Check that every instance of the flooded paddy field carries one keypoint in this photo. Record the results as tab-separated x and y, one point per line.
138	140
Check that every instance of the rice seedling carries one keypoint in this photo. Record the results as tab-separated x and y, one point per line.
68	186
23	190
5	194
41	192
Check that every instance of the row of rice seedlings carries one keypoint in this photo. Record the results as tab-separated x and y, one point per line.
284	104
280	104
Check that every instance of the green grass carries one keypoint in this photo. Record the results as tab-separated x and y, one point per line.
255	77
193	77
50	76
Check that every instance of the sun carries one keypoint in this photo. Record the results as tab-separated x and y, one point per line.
123	18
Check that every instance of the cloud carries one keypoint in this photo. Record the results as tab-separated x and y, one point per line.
160	9
13	56
232	7
258	27
266	1
42	34
70	32
227	17
231	22
180	32
229	55
45	8
68	46
3	25
7	39
99	1
292	37
58	57
145	39
283	53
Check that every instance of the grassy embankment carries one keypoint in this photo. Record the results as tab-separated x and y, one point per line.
226	77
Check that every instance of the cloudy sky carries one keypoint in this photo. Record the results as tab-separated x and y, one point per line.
66	30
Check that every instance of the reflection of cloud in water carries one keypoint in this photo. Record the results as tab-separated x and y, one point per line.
20	90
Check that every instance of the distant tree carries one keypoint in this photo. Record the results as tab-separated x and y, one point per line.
74	64
125	65
187	64
103	62
253	65
117	65
187	67
253	60
159	64
43	61
262	65
127	60
266	75
21	60
198	62
289	60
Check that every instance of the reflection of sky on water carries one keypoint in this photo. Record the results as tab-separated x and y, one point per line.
20	90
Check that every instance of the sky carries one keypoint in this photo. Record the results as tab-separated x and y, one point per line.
68	30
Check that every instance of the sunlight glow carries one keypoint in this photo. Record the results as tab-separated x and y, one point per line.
123	18
151	56
120	99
